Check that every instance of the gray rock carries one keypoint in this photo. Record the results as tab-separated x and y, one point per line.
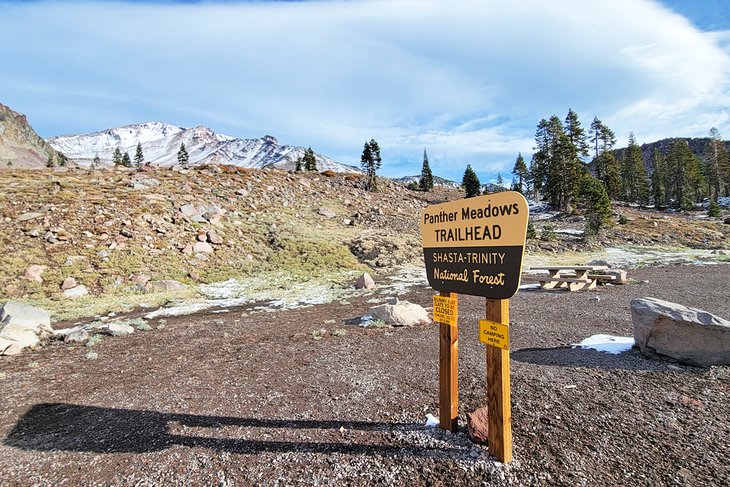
620	276
214	238
77	335
118	329
76	292
189	210
401	314
166	285
29	216
365	282
146	183
690	336
327	213
21	326
202	247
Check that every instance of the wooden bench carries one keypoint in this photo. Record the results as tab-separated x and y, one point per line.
571	277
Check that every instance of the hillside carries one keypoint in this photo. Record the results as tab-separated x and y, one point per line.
698	145
113	230
160	143
20	146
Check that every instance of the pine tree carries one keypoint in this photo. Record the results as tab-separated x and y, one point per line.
96	162
576	134
716	165
370	162
182	155
679	162
126	160
633	174
49	161
521	173
597	205
470	182
298	166
500	182
62	159
138	155
426	181
309	160
117	156
658	180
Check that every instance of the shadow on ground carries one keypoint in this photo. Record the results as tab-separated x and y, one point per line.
580	357
70	427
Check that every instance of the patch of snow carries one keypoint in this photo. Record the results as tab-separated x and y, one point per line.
607	343
431	421
529	286
180	310
570	231
724	201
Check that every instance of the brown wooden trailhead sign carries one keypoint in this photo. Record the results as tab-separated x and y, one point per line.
475	246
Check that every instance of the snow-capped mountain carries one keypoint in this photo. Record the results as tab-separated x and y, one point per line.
161	142
437	181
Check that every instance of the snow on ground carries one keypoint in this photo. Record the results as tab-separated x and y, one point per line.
607	343
724	201
431	421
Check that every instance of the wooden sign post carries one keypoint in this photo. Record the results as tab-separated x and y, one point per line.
449	374
475	246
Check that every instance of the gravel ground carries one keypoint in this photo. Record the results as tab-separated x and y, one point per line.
244	398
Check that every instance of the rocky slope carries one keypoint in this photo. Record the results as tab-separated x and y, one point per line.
161	142
118	231
20	146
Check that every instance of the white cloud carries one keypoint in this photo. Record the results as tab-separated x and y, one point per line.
467	79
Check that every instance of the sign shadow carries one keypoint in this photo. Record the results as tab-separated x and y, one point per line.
71	427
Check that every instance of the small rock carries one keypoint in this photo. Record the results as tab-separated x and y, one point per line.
139	279
76	292
214	238
33	273
202	247
166	285
68	283
126	233
29	216
727	220
620	276
477	424
365	282
326	212
78	335
118	329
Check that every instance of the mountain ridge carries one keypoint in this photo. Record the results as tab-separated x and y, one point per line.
20	145
161	141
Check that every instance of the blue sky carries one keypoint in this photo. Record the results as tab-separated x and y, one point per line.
466	79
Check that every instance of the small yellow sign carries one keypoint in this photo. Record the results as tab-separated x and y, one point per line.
494	334
446	310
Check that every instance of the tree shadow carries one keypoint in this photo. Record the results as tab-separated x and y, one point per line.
579	357
71	427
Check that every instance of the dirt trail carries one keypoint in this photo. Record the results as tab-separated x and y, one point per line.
245	398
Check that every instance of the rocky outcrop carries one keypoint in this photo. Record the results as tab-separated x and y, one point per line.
20	146
22	326
687	335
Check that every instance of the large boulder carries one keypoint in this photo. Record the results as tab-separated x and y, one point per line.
401	313
690	336
21	326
